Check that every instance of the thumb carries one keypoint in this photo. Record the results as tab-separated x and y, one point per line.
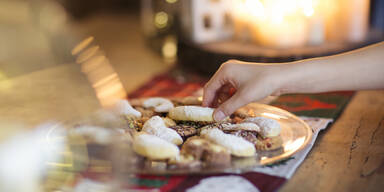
231	105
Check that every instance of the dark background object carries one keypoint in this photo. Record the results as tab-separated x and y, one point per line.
377	14
207	58
82	8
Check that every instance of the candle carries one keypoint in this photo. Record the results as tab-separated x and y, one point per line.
346	20
289	33
293	23
275	23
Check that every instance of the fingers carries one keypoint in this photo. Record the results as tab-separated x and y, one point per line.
223	94
221	78
238	100
210	90
244	95
213	86
252	83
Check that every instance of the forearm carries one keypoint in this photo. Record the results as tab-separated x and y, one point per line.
356	70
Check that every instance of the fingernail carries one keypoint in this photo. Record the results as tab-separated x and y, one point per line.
219	115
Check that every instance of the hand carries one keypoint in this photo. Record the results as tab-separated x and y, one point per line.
238	83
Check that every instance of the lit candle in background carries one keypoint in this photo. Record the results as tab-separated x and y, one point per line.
244	12
344	20
275	23
358	22
295	23
293	32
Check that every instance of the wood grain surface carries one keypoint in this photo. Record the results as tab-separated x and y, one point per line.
349	155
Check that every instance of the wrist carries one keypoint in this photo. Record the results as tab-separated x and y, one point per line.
297	76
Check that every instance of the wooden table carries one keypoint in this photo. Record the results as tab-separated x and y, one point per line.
349	155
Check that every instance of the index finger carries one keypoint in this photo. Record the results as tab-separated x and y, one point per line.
210	90
219	79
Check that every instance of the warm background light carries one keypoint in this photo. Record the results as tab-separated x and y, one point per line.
100	73
292	23
161	19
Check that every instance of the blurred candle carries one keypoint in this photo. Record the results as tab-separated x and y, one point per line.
358	15
347	20
291	32
274	23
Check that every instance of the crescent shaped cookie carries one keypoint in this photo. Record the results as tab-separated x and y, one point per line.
236	145
191	113
160	104
240	126
153	147
155	126
268	127
123	107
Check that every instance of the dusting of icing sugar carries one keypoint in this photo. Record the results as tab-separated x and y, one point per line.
237	145
269	127
195	112
156	126
154	122
241	126
160	104
122	107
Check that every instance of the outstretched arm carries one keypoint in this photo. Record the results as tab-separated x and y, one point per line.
355	70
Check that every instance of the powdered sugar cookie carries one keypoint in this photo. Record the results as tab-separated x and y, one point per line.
153	147
191	113
123	107
155	126
268	127
159	104
236	145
